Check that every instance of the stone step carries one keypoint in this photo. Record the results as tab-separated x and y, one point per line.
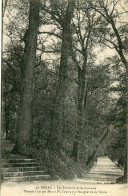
17	160
19	174
18	169
8	165
27	178
14	156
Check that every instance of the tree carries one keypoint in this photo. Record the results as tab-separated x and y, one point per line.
82	41
11	77
55	133
24	128
114	34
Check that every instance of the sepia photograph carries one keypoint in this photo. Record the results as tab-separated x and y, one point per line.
64	97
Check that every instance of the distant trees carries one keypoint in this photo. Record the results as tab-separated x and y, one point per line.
117	147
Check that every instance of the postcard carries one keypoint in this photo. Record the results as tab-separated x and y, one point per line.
64	71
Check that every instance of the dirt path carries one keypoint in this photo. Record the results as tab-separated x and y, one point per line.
103	172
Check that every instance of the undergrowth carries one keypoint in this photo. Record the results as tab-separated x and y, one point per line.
58	164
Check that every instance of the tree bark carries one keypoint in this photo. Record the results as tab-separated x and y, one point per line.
80	109
55	132
24	128
82	95
6	118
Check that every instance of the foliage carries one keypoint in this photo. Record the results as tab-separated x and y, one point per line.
118	145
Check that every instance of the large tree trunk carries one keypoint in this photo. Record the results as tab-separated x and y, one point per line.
24	128
57	113
82	96
6	118
80	109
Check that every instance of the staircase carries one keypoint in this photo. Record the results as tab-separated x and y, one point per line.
18	168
